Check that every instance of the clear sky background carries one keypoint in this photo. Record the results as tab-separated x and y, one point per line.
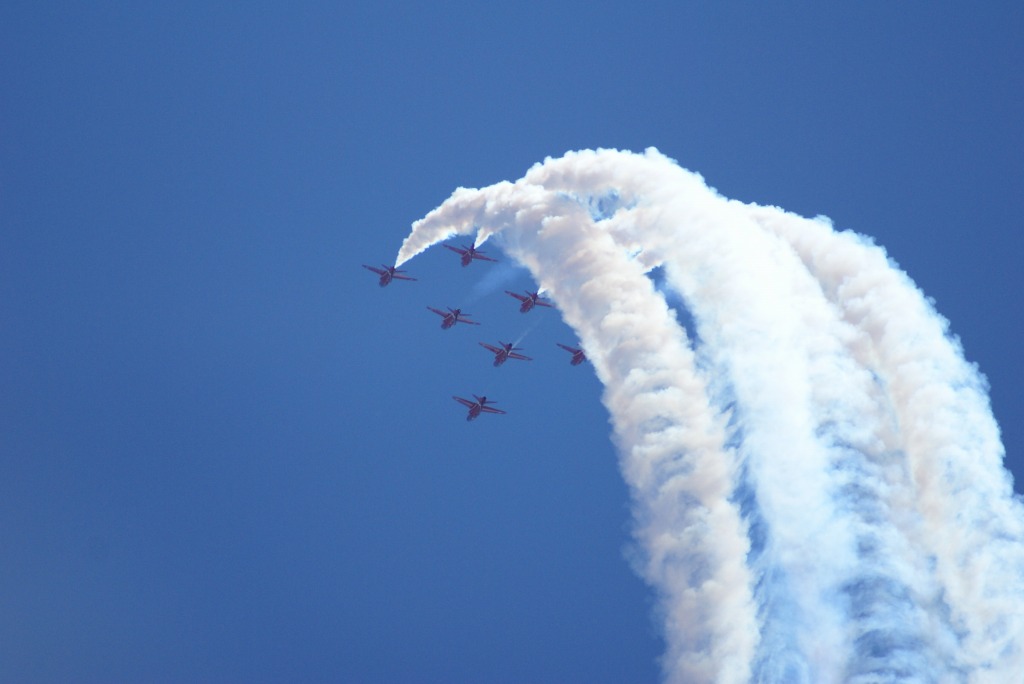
227	455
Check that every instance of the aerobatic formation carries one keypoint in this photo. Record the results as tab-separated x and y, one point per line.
817	479
450	317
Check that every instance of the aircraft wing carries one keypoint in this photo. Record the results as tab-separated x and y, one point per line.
490	347
517	296
538	302
478	255
491	409
460	319
438	311
456	249
514	355
464	402
568	349
402	277
375	270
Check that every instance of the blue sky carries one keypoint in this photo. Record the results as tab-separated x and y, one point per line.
228	455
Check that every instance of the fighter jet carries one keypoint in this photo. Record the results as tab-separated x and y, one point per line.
578	356
504	352
477	407
530	300
451	317
469	252
388	274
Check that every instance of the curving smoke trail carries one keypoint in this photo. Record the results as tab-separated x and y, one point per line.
817	477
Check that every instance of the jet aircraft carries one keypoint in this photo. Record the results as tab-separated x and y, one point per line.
451	317
469	252
477	407
578	356
529	300
388	274
503	352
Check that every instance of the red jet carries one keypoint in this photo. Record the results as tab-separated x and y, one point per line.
504	352
477	407
388	274
578	356
529	300
469	252
451	317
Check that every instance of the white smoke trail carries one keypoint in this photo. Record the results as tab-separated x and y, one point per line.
672	444
807	539
970	520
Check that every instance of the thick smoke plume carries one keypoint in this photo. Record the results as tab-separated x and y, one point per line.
817	478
